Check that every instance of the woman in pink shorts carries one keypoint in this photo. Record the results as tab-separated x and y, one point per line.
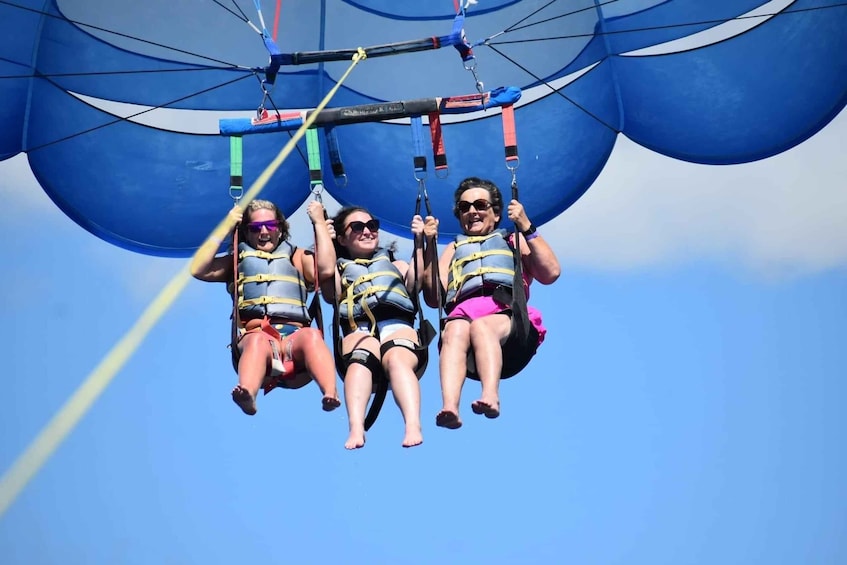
476	274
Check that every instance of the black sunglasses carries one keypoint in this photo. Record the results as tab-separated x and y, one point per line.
358	227
480	205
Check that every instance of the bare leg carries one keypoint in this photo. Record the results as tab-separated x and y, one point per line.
400	364
309	349
453	364
252	368
486	335
358	384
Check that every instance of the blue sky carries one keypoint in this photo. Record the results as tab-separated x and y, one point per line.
685	408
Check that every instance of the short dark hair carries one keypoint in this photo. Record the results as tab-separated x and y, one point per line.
338	222
476	182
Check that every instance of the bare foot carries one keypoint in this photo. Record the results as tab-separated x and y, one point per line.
413	437
330	403
245	400
448	419
490	409
356	440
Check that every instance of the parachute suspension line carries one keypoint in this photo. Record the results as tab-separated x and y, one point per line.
516	26
45	14
276	56
557	91
276	19
258	5
240	15
52	435
463	46
236	161
668	26
129	117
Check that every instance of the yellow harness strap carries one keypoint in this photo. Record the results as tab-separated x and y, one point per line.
269	300
353	297
263	255
261	278
459	279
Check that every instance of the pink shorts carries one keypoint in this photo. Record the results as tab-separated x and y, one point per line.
479	306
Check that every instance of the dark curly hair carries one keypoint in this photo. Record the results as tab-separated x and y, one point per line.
338	222
475	182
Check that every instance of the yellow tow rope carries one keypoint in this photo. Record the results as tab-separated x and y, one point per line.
51	436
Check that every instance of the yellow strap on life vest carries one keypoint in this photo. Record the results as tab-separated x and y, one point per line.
352	297
459	279
242	280
477	238
263	255
269	300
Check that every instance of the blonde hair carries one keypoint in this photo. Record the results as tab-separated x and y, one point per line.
254	205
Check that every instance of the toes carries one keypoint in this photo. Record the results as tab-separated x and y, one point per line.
244	399
330	403
448	419
482	407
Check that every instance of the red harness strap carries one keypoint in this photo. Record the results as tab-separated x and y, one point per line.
283	367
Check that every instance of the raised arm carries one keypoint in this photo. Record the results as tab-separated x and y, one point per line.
537	255
205	266
431	279
415	272
323	241
305	261
331	286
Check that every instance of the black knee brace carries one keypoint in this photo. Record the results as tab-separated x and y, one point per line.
367	359
419	351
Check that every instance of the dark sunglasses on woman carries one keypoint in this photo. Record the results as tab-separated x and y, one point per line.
480	205
359	227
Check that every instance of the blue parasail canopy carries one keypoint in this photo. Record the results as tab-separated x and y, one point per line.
118	106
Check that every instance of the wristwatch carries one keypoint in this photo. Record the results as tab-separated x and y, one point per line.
530	230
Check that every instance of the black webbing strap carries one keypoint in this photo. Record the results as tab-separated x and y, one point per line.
426	333
521	332
236	319
380	392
